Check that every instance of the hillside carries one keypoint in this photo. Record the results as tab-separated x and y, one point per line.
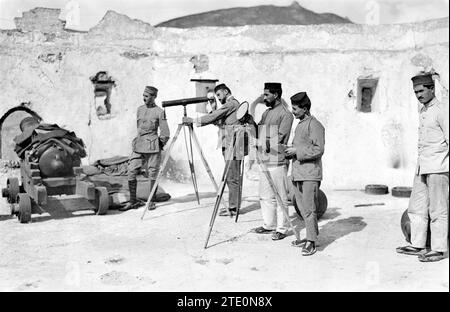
257	15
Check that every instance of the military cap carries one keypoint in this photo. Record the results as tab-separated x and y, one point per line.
300	99
221	87
272	85
150	89
423	79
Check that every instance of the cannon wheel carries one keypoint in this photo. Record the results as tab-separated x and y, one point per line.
323	205
101	201
376	189
401	191
24	213
12	185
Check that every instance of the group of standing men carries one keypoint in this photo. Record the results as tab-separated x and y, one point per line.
429	199
274	131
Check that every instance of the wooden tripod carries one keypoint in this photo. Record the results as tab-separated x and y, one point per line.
192	137
240	131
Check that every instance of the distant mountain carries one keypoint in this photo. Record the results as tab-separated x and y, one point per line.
258	15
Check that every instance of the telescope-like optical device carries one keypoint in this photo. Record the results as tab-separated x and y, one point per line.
185	102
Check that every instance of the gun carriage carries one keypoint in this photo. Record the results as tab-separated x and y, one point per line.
51	177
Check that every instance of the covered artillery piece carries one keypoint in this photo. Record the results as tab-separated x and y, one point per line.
51	176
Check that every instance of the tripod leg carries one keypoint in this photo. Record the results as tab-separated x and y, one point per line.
191	165
217	203
241	184
205	163
277	195
220	192
191	129
163	166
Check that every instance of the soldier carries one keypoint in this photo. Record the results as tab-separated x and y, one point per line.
147	146
429	196
274	131
225	118
308	148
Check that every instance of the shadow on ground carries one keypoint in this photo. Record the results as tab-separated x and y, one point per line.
334	230
331	230
188	198
6	217
299	224
58	215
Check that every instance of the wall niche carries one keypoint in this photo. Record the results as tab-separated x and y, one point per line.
366	93
103	86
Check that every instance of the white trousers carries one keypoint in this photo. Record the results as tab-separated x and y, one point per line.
429	203
272	212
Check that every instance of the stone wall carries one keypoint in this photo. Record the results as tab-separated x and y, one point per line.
44	20
324	60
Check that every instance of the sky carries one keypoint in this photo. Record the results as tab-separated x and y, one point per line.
156	11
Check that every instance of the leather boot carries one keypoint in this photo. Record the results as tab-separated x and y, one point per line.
152	205
133	203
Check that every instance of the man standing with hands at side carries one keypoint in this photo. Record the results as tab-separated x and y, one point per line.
147	146
429	196
308	148
274	131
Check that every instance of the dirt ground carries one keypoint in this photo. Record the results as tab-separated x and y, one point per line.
164	252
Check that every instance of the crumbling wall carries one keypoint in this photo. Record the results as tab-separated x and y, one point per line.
44	20
324	60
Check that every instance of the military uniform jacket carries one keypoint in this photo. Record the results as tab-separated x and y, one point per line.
433	138
309	141
149	119
225	118
274	130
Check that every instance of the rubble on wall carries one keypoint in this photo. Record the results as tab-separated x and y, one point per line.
133	55
115	25
422	60
50	57
44	20
201	63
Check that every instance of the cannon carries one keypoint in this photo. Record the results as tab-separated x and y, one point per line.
51	178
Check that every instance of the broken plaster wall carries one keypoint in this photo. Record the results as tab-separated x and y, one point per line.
324	60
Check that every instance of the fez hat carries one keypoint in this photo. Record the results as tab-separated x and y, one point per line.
149	89
423	79
272	86
220	87
300	99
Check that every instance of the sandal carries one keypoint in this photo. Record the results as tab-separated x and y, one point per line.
410	250
261	230
278	236
431	256
309	249
298	243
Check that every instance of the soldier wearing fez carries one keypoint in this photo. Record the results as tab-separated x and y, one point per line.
429	197
147	146
274	130
306	153
225	118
